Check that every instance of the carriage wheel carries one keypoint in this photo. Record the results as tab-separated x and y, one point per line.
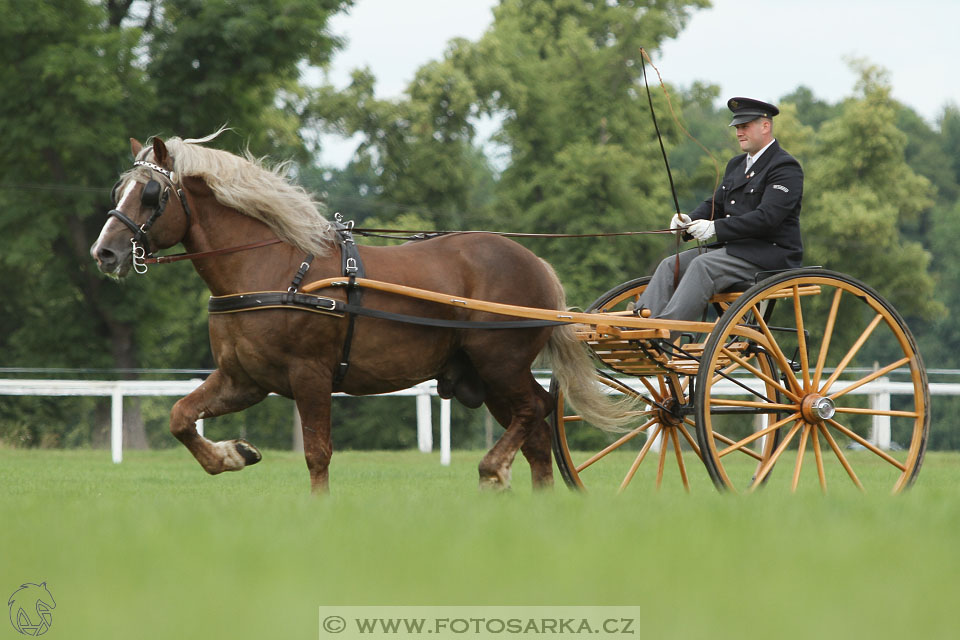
589	457
837	346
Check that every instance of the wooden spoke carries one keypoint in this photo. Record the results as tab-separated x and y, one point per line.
640	457
683	469
689	438
758	434
614	445
661	463
827	335
801	342
873	376
801	448
653	391
866	443
819	457
729	369
723	402
622	388
851	353
725	440
778	354
842	458
772	460
760	374
878	412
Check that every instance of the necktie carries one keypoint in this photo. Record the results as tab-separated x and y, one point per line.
749	163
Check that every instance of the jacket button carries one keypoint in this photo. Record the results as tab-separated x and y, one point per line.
733	202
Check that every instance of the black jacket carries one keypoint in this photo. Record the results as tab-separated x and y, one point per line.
757	213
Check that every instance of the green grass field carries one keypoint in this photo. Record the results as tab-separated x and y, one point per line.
155	548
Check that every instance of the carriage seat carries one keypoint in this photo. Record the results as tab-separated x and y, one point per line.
740	287
732	292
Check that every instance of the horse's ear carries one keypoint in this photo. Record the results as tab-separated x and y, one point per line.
135	147
160	154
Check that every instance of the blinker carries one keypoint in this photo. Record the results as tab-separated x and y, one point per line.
150	196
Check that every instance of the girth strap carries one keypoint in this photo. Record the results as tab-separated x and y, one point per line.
274	300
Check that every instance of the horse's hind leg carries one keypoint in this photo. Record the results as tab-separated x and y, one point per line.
218	395
536	447
535	442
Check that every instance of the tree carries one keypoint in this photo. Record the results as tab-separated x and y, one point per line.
859	193
565	77
562	76
418	151
79	79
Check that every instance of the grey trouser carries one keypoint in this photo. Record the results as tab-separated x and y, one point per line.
703	273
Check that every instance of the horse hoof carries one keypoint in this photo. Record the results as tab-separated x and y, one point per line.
493	483
251	455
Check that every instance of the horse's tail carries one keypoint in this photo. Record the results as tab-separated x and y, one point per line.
575	371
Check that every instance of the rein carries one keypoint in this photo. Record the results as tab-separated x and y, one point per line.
209	254
417	234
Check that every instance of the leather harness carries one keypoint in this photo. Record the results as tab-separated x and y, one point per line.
352	268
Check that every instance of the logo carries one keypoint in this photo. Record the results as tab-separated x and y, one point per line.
31	609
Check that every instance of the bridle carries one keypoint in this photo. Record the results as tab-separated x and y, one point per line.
154	196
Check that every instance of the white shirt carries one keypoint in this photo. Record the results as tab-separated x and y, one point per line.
752	159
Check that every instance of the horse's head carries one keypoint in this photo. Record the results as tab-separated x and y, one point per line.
145	217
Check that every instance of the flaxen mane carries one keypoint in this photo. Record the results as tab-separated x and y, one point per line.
245	184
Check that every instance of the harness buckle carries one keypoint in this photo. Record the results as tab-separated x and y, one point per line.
351	266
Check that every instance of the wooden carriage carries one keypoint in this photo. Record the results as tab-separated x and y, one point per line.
796	370
786	373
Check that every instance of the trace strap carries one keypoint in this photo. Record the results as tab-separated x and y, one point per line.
240	302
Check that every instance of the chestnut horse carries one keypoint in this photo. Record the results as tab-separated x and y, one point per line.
211	199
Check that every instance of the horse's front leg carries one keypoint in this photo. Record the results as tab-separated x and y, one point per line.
218	395
313	396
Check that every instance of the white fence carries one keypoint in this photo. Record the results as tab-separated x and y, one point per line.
118	389
879	390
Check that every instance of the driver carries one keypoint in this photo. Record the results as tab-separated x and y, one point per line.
754	214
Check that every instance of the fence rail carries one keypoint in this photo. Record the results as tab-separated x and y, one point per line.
116	390
880	392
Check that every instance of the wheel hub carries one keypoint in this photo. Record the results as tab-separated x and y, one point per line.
669	413
817	408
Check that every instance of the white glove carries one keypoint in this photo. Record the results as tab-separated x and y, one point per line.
679	221
701	229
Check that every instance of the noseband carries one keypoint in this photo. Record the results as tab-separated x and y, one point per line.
154	196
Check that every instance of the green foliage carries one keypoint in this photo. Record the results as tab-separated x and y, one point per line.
854	210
